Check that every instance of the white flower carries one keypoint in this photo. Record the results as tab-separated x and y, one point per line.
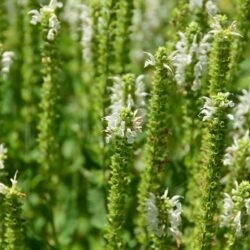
151	215
208	109
7	60
3	152
218	29
227	211
193	4
52	6
237	224
240	143
150	61
14	180
174	214
202	57
182	57
211	8
247	205
35	17
241	111
228	157
140	91
53	24
115	125
2	188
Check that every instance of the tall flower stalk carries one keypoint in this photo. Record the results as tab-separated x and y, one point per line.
123	126
158	130
215	111
49	104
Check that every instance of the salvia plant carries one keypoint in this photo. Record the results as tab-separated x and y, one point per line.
126	123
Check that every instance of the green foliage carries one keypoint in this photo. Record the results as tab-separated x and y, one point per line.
108	160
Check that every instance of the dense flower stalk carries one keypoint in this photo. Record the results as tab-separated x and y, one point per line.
49	104
157	137
215	114
220	56
123	126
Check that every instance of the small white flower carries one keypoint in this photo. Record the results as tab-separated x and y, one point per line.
182	57
52	6
35	17
150	61
174	214
202	57
51	34
247	205
2	188
208	109
237	224
227	211
230	151
54	23
14	180
151	215
3	152
194	4
140	92
211	8
7	60
241	112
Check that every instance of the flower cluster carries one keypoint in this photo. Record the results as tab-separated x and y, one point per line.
7	60
184	55
240	144
174	210
152	214
211	104
174	214
47	11
202	57
211	8
235	206
242	113
116	125
194	4
150	61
